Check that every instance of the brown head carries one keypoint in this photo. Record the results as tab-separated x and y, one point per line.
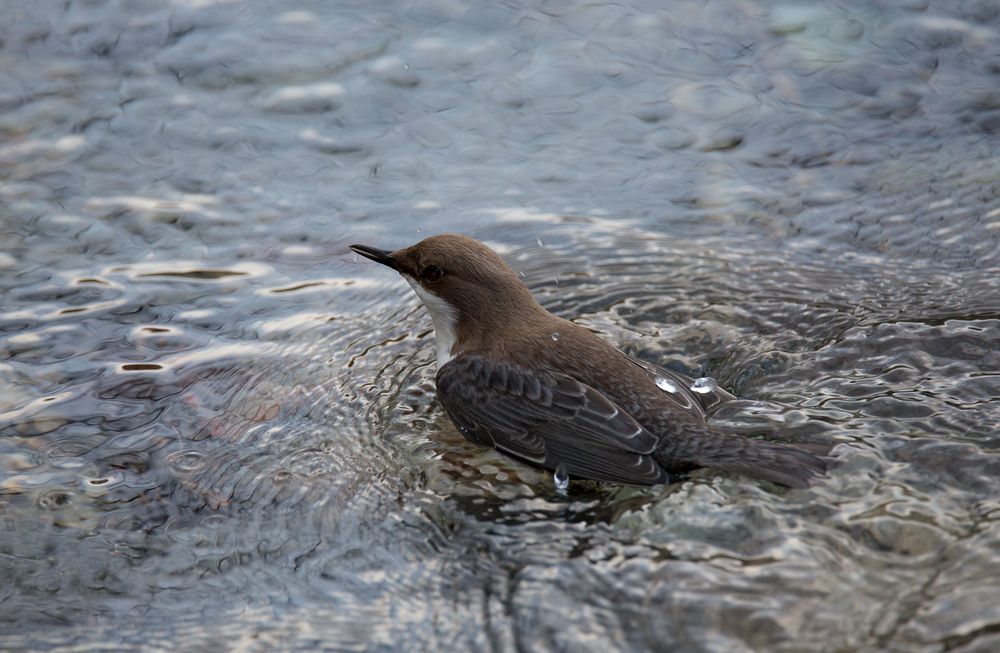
470	292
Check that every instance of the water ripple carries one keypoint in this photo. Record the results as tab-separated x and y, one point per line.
218	430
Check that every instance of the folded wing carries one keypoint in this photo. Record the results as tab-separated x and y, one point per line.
548	419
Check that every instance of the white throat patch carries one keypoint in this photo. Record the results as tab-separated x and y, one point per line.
444	318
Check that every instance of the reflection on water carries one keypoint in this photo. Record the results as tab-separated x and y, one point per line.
218	428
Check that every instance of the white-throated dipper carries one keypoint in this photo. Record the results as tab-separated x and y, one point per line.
549	392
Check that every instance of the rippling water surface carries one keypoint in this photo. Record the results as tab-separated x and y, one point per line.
218	427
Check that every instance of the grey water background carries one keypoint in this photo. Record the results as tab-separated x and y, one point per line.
218	428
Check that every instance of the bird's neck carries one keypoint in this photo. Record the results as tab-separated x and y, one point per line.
446	322
508	332
498	328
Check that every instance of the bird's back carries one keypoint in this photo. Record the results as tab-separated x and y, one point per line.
662	402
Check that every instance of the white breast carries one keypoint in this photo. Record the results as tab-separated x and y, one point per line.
445	321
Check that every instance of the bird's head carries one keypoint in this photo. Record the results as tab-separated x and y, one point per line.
467	288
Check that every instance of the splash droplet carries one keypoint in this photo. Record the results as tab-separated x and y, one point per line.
561	479
665	384
704	385
555	336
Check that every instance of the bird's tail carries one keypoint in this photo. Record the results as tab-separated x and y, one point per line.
784	464
792	465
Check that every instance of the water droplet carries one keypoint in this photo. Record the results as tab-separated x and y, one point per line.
555	336
665	384
561	479
704	385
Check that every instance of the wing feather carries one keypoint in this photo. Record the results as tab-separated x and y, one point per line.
547	418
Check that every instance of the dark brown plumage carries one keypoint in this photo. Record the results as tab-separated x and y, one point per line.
513	376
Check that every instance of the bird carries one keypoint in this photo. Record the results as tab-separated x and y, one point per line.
553	394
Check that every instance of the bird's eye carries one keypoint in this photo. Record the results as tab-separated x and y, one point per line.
432	273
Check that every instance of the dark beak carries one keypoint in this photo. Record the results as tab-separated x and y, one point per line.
378	255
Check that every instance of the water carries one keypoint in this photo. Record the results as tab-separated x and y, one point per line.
218	428
703	385
561	479
665	384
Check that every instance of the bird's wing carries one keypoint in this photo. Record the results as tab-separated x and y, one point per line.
697	403
547	419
